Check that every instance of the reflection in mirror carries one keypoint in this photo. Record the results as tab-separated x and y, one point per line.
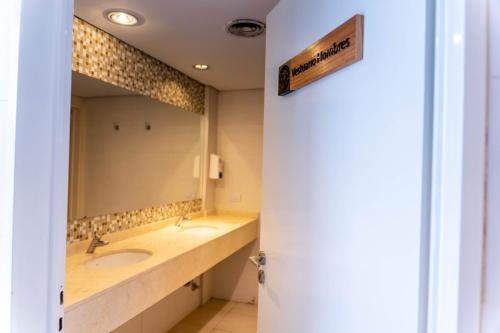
128	151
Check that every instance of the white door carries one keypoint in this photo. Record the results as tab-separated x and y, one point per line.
344	187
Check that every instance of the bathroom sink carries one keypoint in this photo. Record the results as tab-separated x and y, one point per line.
198	229
119	258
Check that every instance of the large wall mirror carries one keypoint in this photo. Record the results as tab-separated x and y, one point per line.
128	151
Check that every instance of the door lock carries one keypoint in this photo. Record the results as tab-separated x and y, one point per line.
259	261
261	277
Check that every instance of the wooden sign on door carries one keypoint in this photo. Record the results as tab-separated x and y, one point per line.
340	48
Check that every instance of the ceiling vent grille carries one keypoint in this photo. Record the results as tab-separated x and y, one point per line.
245	28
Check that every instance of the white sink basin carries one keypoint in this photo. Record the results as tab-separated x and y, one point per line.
198	229
119	258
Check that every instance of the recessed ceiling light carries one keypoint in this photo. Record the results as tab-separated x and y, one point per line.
123	17
200	67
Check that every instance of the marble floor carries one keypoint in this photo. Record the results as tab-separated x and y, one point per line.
218	316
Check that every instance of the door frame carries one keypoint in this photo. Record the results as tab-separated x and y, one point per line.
9	34
36	149
458	175
41	131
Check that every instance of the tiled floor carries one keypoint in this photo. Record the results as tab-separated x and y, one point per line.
218	316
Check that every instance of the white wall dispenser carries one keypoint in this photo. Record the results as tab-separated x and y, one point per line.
216	167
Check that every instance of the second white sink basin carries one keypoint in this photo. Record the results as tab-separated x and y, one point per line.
198	229
119	258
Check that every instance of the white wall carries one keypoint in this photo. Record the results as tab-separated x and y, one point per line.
209	146
343	174
491	302
161	160
239	141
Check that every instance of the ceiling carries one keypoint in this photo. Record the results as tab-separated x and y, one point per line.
186	32
86	86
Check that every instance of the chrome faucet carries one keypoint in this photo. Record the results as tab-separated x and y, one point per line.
96	242
182	219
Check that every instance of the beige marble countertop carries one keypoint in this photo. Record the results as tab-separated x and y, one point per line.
176	258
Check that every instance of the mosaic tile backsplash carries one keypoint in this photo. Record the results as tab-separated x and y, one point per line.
104	57
84	228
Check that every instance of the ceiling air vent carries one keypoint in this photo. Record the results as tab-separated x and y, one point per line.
245	27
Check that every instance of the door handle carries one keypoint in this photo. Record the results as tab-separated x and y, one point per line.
259	261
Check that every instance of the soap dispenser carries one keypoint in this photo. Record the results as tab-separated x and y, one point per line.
216	167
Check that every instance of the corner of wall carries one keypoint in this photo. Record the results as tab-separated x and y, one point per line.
209	144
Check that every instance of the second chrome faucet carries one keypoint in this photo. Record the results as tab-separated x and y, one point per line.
182	219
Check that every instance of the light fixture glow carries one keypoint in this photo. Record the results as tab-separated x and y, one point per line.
457	38
200	67
123	17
